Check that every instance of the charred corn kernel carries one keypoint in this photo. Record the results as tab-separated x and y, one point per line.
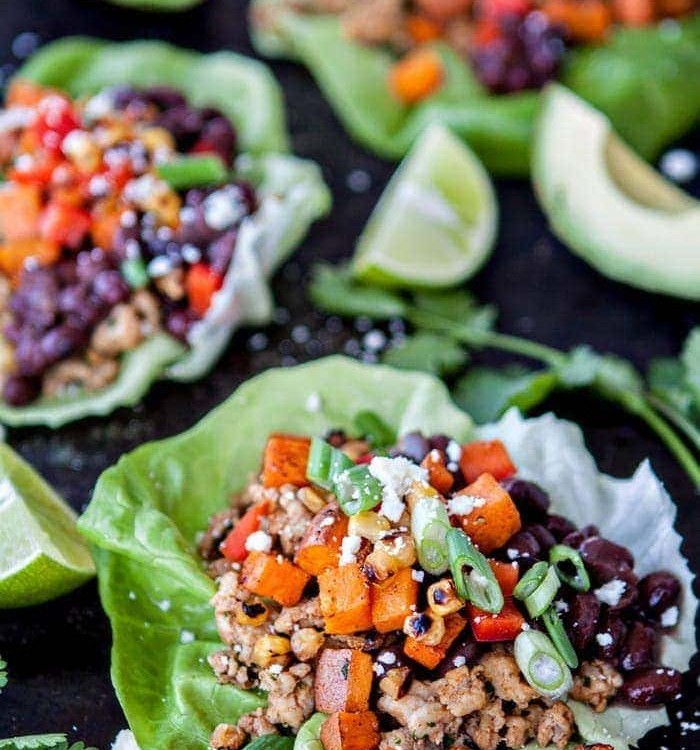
252	613
271	649
442	598
399	546
165	204
311	500
425	627
418	491
355	448
306	643
80	147
7	356
369	525
156	138
111	134
378	566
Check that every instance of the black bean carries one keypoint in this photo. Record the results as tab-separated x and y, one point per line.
439	442
221	250
465	652
559	526
391	657
413	445
522	548
612	631
543	536
29	357
532	501
639	647
178	323
110	287
658	592
576	538
604	559
652	686
582	619
18	391
59	342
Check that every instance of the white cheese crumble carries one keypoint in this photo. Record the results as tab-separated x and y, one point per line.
561	606
275	669
463	505
396	476
611	592
99	106
454	451
313	403
222	209
418	575
328	521
604	639
459	661
259	541
76	143
15	118
669	617
679	165
349	548
388	657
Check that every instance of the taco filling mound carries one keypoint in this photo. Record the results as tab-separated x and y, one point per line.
420	595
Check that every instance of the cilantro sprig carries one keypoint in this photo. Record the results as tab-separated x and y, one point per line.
447	323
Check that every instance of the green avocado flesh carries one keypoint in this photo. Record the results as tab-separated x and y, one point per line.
608	205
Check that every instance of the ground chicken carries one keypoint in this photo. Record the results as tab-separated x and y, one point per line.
290	695
289	520
485	727
256	724
306	643
518	731
421	713
556	726
400	739
307	614
228	669
501	670
595	684
462	691
227	737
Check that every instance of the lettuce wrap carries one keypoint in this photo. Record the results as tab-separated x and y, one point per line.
650	104
291	196
147	512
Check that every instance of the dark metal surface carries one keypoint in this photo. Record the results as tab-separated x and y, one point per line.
58	654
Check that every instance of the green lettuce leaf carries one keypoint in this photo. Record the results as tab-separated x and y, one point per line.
291	191
649	104
147	511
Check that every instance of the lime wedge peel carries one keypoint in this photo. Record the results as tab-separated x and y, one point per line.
42	555
436	221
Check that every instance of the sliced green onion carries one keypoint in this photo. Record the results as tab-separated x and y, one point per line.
559	553
429	526
538	601
561	641
374	429
192	171
325	464
357	490
530	581
541	664
134	272
479	585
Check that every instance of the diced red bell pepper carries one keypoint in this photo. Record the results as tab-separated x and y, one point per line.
486	31
507	574
485	457
499	8
56	117
488	628
365	458
233	547
201	284
37	170
63	224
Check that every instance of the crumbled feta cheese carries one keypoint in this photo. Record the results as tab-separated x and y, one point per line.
99	106
259	541
328	521
611	592
188	215
191	253
223	208
396	476
418	575
15	118
513	554
679	165
561	606
374	340
604	639
98	186
313	403
479	580
76	143
388	657
141	189
186	636
454	451
463	505
459	661
275	669
160	266
128	219
349	548
669	617
378	669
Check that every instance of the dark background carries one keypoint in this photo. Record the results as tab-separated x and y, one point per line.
58	654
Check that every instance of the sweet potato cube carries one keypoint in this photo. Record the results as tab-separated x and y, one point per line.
285	460
394	600
431	656
345	599
485	457
491	523
343	680
439	475
274	577
320	547
20	207
346	731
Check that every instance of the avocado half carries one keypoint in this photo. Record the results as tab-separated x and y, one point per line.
608	205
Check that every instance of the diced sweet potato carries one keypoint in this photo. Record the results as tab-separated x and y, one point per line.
416	76
394	600
587	20
274	577
438	475
285	460
345	599
346	731
14	254
24	93
343	680
431	656
491	524
20	208
320	547
485	457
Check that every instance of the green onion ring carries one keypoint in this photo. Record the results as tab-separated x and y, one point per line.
561	641
562	553
479	586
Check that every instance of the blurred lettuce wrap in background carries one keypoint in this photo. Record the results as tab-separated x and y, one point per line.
291	196
646	80
148	510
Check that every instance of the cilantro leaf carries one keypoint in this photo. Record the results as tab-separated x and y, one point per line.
458	307
485	392
333	289
431	352
607	373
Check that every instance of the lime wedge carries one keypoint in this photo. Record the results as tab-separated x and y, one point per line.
435	223
41	554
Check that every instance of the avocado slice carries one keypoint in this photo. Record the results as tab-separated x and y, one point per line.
608	205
